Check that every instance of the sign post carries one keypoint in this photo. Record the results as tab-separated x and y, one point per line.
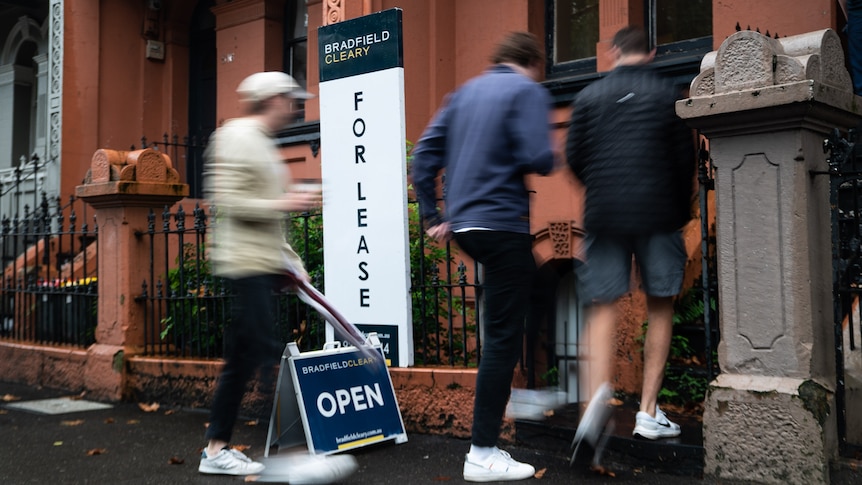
364	172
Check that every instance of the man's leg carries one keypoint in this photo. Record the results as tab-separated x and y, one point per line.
601	338
661	259
248	340
509	268
656	349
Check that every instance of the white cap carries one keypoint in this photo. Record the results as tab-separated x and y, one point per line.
263	85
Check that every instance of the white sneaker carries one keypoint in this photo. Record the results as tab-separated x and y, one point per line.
229	462
654	428
305	469
498	467
595	417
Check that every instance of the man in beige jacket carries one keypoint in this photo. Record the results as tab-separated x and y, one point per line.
248	183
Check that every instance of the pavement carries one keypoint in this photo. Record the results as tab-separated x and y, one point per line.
142	443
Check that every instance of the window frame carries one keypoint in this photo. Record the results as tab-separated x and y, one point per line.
679	60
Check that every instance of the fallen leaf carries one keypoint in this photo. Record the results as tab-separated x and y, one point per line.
77	397
175	460
133	421
251	423
9	398
76	422
599	469
3	411
96	451
58	443
169	412
251	478
540	473
149	408
442	478
109	420
240	447
615	402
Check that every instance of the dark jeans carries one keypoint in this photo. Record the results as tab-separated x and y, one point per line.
249	344
509	268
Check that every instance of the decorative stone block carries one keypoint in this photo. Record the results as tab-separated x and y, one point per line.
749	60
703	84
827	45
744	61
790	69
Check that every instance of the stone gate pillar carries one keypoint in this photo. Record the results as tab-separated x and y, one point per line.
123	187
766	105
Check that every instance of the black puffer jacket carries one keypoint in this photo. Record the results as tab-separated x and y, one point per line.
632	152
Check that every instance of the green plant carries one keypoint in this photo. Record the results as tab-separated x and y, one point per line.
194	323
551	377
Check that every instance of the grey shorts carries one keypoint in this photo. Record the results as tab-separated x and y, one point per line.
606	274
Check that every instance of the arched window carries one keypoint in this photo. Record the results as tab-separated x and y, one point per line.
23	80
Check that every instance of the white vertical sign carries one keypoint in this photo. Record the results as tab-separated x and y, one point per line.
362	129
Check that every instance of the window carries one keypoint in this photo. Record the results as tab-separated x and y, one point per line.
573	36
681	31
679	20
296	40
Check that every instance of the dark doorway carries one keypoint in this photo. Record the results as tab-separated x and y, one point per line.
202	90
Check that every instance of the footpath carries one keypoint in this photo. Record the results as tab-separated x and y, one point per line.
143	443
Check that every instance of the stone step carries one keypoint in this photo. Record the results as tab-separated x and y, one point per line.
677	456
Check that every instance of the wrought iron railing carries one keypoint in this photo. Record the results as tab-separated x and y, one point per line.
48	293
845	198
186	307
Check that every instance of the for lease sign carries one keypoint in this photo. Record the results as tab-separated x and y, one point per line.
364	173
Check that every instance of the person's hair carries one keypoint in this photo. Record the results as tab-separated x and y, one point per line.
631	40
520	48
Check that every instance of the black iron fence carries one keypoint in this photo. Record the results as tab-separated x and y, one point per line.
48	293
187	155
845	198
186	307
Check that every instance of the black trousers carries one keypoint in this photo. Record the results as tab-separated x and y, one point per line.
250	344
509	268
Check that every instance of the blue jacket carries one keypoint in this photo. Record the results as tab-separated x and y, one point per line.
490	133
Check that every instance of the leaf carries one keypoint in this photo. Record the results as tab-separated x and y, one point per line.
149	408
252	478
599	469
133	421
58	443
175	460
76	422
96	451
540	473
9	398
169	412
240	447
251	423
109	420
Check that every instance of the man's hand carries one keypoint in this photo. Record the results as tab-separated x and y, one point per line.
300	201
439	232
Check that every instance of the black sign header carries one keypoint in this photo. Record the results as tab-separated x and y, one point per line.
361	45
